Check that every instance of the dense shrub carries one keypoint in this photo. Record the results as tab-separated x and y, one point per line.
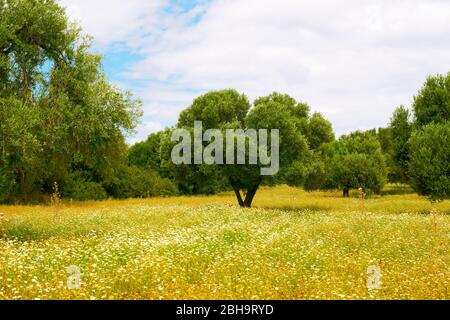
354	161
165	187
134	182
79	187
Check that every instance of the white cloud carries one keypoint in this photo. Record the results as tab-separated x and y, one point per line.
115	21
354	61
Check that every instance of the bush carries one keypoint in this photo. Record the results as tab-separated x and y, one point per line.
165	187
354	161
78	187
134	182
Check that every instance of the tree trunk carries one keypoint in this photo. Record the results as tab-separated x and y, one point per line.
237	191
239	197
249	196
346	193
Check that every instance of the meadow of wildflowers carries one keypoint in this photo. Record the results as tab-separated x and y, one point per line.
293	245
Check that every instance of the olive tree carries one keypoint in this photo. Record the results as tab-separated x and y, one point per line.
429	165
354	161
228	110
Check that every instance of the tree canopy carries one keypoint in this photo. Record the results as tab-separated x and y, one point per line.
354	161
430	160
428	147
432	104
229	109
400	130
58	112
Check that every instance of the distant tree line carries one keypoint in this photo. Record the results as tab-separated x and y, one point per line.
62	123
413	149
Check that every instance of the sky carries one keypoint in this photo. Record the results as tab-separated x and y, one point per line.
354	61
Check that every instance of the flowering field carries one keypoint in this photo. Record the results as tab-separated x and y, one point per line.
293	245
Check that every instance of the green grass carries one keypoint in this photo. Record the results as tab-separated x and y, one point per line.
293	245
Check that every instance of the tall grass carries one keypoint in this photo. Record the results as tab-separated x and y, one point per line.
292	245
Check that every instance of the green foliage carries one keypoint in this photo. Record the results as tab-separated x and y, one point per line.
135	182
319	131
429	165
354	171
78	187
386	140
430	160
215	109
395	172
7	185
400	130
190	179
315	176
354	161
309	173
165	187
432	104
228	109
147	154
58	112
277	114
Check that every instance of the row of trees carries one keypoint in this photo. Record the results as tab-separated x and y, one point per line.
62	122
413	149
418	143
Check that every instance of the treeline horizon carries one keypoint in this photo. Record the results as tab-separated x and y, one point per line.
63	127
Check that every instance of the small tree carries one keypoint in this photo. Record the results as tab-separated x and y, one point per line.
401	129
355	161
429	166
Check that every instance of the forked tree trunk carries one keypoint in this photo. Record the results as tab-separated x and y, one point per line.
249	196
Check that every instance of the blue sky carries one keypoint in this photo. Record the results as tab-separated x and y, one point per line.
353	61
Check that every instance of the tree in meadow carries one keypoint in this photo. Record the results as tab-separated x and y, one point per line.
430	160
58	112
228	109
355	161
429	165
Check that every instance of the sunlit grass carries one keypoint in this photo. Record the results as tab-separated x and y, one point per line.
292	245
